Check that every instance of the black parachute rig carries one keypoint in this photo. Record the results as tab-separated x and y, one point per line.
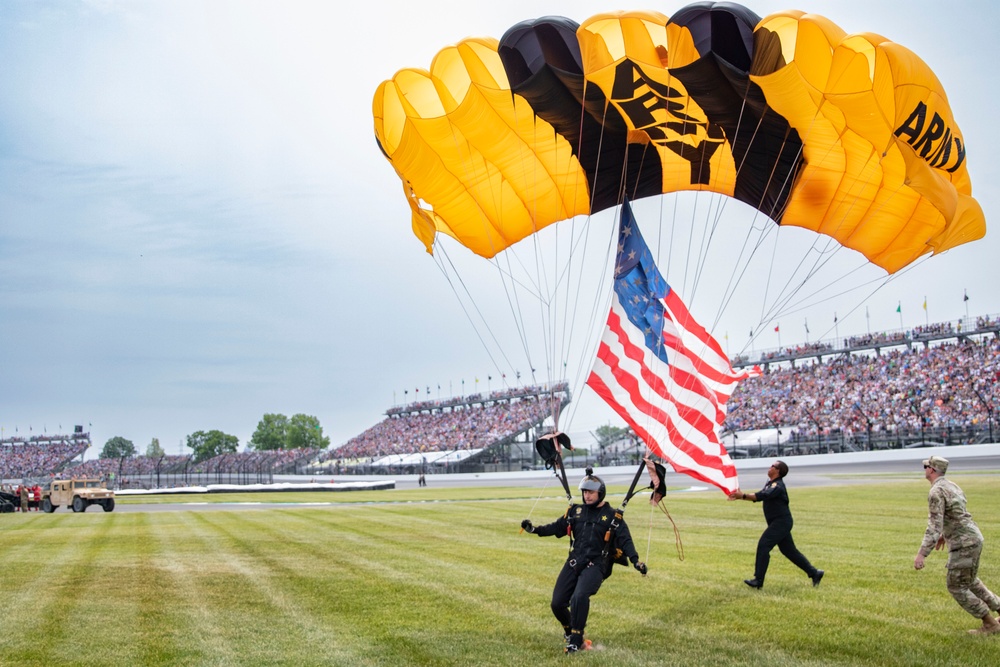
658	483
549	448
658	486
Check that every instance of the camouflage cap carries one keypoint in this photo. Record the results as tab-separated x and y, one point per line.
938	463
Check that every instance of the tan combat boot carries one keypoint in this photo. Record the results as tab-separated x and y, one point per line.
989	627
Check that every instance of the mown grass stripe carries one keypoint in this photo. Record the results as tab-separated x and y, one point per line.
455	584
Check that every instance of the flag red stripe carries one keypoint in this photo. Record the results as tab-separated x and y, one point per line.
726	472
706	457
694	414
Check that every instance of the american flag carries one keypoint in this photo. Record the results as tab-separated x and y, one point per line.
661	371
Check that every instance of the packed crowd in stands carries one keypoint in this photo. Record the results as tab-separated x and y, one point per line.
876	339
919	334
19	458
471	399
127	467
797	350
465	427
277	460
902	388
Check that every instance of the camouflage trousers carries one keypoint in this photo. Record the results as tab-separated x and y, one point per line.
964	585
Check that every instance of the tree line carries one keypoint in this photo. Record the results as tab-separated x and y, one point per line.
274	431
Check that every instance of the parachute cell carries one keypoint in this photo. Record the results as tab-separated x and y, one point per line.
850	136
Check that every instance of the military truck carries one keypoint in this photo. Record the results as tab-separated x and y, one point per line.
78	495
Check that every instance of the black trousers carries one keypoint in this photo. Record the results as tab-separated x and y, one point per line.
779	534
572	593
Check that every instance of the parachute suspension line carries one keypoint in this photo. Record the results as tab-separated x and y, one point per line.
566	274
737	274
515	308
603	294
649	534
466	311
708	235
722	201
544	308
472	172
800	306
678	543
600	305
824	256
659	343
783	302
741	266
770	214
731	285
883	280
540	494
880	284
545	303
582	365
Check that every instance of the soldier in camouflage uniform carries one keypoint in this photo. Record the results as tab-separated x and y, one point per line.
949	523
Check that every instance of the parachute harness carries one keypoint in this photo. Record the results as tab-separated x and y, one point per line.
548	448
657	482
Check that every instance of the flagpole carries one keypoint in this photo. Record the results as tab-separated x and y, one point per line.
965	298
927	316
899	309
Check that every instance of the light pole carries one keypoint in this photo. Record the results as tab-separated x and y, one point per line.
819	429
989	411
922	420
777	438
868	422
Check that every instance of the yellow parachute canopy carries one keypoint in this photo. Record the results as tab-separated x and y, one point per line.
850	136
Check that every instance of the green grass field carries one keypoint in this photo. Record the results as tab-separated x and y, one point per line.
442	577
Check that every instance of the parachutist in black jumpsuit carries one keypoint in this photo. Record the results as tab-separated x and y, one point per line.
587	565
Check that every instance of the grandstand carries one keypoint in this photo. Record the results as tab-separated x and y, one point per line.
144	472
40	455
927	386
475	433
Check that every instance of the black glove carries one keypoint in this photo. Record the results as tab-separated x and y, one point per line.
526	525
642	568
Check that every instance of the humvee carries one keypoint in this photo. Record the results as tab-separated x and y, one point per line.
78	494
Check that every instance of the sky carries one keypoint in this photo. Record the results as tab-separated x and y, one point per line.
197	227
